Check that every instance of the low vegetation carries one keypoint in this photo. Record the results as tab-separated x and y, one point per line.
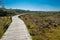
43	25
4	23
5	20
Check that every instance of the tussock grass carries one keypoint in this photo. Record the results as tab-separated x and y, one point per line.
4	23
43	26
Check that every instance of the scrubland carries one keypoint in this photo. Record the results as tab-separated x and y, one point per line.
43	26
4	23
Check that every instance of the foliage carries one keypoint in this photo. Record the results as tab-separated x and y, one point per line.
43	25
7	12
4	23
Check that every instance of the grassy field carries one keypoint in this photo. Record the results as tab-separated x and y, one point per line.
5	20
4	23
43	26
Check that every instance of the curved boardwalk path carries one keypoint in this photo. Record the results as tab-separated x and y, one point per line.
16	31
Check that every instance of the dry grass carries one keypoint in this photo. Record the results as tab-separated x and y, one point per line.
43	27
4	23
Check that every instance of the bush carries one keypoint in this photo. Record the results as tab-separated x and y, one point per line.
4	23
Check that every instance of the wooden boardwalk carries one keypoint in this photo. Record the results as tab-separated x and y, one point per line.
17	30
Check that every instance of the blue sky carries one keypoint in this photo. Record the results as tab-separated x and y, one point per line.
35	5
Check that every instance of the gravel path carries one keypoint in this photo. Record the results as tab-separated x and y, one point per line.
17	30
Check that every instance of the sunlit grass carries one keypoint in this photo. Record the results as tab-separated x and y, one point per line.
4	23
43	26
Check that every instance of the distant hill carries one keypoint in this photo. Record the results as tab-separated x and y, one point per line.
10	12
